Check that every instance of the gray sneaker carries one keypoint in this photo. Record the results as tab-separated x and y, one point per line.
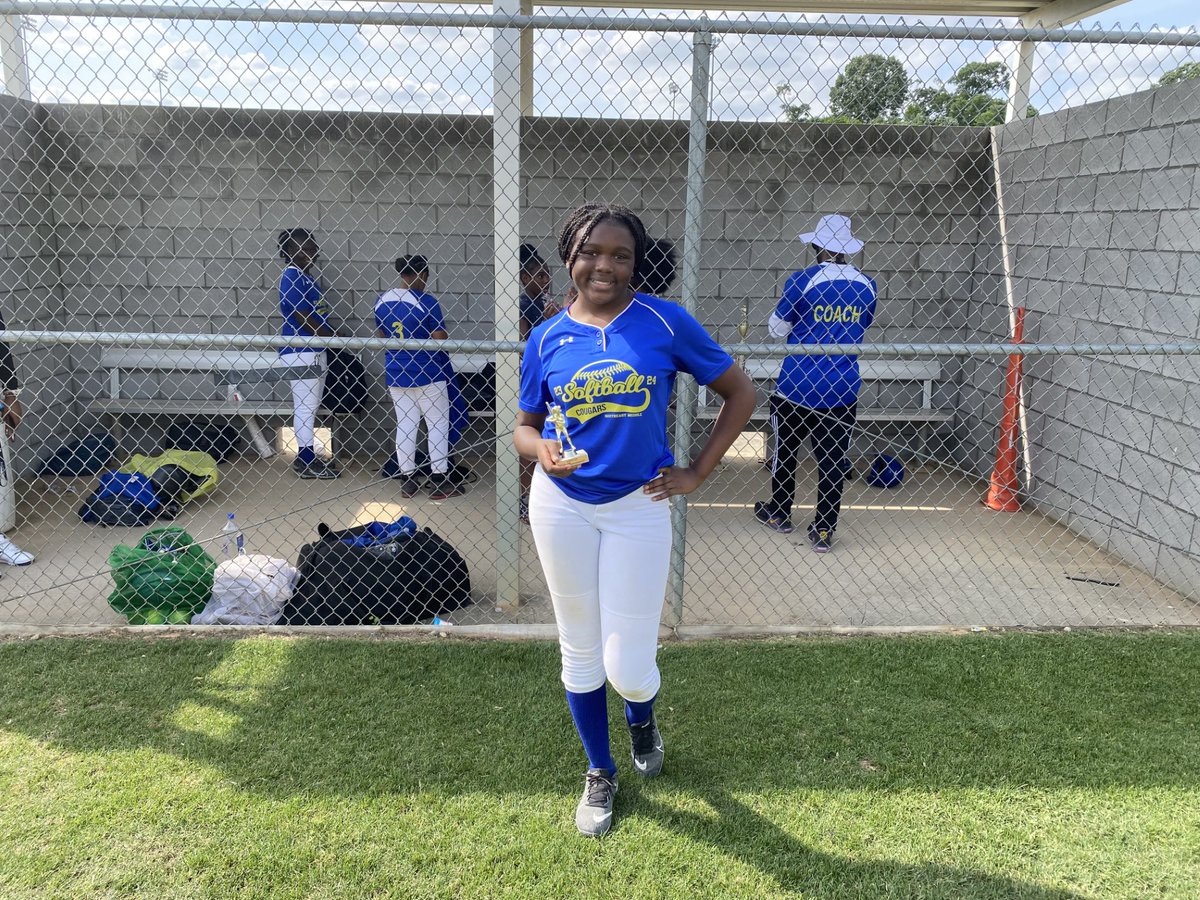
318	468
646	748
593	815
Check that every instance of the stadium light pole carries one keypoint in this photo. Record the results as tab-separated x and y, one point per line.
162	76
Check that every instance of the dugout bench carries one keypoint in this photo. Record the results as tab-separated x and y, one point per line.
231	370
883	372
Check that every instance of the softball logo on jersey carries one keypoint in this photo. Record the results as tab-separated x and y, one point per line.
608	387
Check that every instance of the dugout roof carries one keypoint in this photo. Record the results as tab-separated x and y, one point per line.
1030	12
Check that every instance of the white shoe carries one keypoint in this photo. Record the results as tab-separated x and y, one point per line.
12	555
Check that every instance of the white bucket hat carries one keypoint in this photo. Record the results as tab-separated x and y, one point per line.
833	234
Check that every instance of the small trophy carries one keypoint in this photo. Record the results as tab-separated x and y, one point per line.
568	455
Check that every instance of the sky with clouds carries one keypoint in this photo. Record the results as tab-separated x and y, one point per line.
577	73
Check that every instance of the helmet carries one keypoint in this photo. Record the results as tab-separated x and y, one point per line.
886	472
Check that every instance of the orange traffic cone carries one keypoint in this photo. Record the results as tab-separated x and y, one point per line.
1002	494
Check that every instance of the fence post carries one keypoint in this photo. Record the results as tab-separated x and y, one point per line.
693	228
506	194
1020	82
12	48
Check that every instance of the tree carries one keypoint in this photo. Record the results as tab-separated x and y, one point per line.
978	98
981	78
792	112
872	88
1186	72
927	106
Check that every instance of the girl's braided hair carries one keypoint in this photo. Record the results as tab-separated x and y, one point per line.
291	240
530	259
579	226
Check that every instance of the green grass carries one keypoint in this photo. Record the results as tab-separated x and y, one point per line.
1044	766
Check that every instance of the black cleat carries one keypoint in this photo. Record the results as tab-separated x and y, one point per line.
766	514
646	748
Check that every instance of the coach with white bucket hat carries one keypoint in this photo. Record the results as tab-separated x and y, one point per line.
816	397
832	234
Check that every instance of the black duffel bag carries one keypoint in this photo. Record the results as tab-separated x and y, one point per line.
399	582
220	441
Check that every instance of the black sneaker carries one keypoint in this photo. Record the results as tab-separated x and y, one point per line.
646	748
443	487
523	509
318	468
822	540
766	514
410	485
593	815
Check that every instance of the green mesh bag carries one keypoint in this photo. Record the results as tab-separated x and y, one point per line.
165	578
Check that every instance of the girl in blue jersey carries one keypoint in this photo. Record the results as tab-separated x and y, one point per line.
536	306
816	397
305	314
11	413
603	535
418	379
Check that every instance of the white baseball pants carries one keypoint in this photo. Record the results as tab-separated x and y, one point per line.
431	401
606	567
306	395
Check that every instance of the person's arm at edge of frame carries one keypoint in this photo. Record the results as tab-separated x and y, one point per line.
13	412
737	391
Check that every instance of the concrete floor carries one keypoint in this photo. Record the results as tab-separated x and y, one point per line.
924	554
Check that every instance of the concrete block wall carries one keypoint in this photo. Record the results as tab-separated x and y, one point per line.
1104	215
31	296
167	218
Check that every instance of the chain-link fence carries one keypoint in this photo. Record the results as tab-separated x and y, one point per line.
153	158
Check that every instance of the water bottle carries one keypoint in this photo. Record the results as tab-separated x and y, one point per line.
232	540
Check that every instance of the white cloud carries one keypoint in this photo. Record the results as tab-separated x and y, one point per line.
577	73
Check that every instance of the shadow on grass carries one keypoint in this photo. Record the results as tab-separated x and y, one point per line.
738	832
282	718
356	717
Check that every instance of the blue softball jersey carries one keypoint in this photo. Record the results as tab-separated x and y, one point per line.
300	293
532	309
403	313
613	385
828	303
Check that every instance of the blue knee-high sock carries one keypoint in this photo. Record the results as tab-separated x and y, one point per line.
306	455
590	712
638	713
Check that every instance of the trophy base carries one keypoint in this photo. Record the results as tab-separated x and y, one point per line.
573	458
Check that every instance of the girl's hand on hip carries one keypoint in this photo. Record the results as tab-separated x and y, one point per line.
548	455
671	482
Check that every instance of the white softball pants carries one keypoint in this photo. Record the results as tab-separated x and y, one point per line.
306	395
606	567
431	401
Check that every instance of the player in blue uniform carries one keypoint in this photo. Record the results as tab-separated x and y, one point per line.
536	306
11	413
305	314
418	379
816	397
602	533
